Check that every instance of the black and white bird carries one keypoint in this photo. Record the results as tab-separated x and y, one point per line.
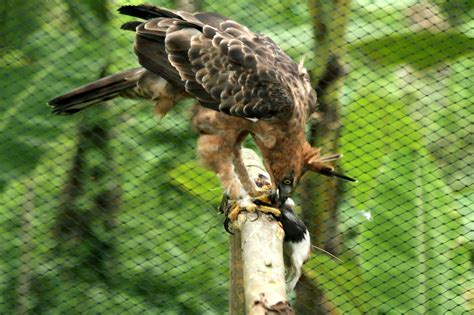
296	244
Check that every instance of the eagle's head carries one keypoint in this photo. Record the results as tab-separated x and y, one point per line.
288	169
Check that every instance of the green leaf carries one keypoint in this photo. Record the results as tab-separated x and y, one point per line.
27	121
196	180
422	49
464	202
441	102
457	12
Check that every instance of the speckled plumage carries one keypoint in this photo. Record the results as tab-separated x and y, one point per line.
243	82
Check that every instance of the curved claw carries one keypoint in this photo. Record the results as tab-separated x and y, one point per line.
223	206
258	216
226	225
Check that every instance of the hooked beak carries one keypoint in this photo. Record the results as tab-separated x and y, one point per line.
284	192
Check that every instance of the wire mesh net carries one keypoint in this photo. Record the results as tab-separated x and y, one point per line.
108	211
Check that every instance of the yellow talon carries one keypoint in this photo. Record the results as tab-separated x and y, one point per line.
265	198
239	206
234	212
271	210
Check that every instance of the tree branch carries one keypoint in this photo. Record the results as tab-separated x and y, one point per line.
237	298
262	254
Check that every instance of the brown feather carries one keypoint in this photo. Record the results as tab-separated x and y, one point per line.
234	74
216	52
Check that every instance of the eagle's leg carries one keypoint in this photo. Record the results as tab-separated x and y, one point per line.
243	174
216	154
262	194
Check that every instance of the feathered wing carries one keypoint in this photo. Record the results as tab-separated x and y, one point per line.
98	91
137	83
221	62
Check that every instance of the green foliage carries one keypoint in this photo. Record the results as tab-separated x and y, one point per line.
410	249
19	19
457	12
160	226
406	138
203	185
342	282
263	16
404	193
422	49
405	96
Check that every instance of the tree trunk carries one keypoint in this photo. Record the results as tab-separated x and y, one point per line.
24	279
320	194
237	298
90	199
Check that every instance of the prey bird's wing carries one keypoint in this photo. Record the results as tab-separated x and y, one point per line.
222	63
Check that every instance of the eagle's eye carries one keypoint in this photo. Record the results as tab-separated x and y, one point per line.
288	181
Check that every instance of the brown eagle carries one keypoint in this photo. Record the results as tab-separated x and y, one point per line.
244	85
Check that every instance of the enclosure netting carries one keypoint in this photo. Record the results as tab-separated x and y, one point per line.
108	211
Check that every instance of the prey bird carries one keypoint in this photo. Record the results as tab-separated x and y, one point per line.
244	85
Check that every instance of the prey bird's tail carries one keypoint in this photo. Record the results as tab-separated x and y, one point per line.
132	83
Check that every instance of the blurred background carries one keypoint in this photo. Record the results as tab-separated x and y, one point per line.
107	211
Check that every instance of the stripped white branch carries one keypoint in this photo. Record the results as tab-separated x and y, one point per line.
262	254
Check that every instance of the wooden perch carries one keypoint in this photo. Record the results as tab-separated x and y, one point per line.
261	243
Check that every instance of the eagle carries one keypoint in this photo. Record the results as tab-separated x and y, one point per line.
244	85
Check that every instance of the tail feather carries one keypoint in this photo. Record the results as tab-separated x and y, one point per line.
130	26
98	91
147	12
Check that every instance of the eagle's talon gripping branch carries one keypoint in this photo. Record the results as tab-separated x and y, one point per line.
251	205
260	204
270	210
266	201
239	206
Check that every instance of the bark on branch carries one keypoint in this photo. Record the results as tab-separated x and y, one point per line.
261	242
